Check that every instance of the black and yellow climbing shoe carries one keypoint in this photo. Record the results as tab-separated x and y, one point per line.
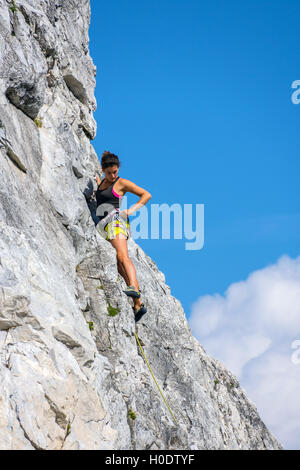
139	313
131	291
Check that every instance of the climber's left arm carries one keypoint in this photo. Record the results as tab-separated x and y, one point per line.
130	187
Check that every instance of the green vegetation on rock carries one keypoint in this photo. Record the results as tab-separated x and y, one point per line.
112	312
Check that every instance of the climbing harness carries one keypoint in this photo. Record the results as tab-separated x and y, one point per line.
155	379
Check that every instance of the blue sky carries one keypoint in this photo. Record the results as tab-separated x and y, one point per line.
195	99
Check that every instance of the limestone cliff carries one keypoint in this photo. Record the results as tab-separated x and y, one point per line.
70	373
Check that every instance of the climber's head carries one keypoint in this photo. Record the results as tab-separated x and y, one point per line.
110	165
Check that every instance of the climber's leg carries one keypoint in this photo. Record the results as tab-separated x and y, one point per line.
125	264
123	273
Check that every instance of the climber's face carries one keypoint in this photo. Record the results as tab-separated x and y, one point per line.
111	173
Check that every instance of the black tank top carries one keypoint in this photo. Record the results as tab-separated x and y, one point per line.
108	196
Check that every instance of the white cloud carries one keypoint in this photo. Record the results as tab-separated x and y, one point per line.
272	382
251	330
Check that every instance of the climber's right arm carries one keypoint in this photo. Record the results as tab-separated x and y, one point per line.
98	180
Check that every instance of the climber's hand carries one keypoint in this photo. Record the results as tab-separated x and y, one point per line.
98	180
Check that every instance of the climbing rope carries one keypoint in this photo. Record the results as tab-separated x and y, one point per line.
155	379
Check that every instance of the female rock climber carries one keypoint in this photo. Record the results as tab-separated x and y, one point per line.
114	225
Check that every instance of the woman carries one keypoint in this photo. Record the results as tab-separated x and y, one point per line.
114	225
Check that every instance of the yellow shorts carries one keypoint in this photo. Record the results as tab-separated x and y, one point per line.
114	227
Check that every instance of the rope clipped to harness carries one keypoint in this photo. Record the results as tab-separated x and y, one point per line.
155	379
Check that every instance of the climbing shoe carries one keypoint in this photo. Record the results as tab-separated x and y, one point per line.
139	313
131	291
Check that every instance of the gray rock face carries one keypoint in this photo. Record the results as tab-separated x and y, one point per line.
71	372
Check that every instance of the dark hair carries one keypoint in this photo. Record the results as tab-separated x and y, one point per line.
109	159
